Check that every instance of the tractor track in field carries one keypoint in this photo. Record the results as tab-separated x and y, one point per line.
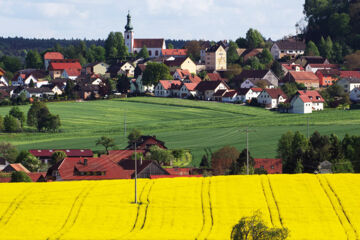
147	205
210	208
13	206
267	201
138	208
337	202
74	212
202	207
276	204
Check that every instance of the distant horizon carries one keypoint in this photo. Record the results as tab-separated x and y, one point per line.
211	20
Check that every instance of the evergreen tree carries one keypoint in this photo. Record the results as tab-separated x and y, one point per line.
311	49
254	39
144	53
277	69
70	89
170	46
232	55
123	84
33	59
266	58
17	113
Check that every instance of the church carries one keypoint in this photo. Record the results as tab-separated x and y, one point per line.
153	45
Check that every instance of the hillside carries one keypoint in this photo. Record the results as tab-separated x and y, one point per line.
187	124
310	206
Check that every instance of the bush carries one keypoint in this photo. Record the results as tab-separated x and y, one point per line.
11	124
20	177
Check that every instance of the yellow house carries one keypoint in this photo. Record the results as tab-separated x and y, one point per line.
184	63
215	58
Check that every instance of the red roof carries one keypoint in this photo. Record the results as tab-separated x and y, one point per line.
183	73
275	93
172	176
230	93
2	71
214	77
149	43
19	167
304	76
167	84
256	89
36	175
65	64
69	152
73	71
174	52
190	86
53	56
292	66
118	155
270	165
179	171
311	96
349	74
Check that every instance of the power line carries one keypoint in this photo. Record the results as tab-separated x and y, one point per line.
247	148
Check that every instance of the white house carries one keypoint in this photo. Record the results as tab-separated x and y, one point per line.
349	84
164	87
251	82
355	95
206	89
188	90
306	102
3	163
247	94
315	67
3	81
271	97
38	92
230	96
289	47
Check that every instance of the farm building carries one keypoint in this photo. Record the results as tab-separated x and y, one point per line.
271	165
271	97
306	102
45	154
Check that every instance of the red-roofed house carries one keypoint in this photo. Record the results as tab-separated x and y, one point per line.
230	96
315	67
173	52
145	142
206	89
349	74
49	56
188	89
214	77
272	166
165	88
35	177
292	67
66	68
309	79
181	74
271	97
306	102
247	94
327	77
15	167
45	154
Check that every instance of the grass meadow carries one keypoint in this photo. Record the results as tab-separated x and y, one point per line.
188	124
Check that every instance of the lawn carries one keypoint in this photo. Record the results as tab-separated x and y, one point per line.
192	125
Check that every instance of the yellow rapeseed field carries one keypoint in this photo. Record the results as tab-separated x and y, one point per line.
310	206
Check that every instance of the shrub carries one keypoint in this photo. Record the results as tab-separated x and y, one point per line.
20	177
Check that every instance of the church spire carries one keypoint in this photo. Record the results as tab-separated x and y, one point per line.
128	26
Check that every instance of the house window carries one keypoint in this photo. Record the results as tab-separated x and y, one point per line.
127	36
156	53
150	53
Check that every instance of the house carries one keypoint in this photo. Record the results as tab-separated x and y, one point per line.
230	96
256	74
271	97
43	92
271	165
44	155
66	68
9	91
185	76
96	68
305	60
188	90
154	46
214	77
256	82
206	89
165	88
3	81
49	56
174	52
349	74
88	91
120	69
325	167
2	72
327	77
315	67
355	95
34	176
215	57
181	63
146	142
349	84
15	167
249	53
30	76
247	94
137	87
306	102
292	67
218	95
309	79
3	163
290	47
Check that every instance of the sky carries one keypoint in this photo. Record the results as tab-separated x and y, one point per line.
169	19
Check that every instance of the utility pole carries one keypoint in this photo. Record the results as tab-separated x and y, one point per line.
247	148
135	177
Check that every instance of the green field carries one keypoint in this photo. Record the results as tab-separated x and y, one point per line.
187	124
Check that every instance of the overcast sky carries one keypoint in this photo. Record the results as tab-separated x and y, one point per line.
169	19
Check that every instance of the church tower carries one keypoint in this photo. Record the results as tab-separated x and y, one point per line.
129	34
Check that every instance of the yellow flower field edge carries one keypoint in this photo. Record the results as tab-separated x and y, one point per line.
310	206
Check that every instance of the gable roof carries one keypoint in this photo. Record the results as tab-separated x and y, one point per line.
145	142
271	165
275	93
53	56
176	62
149	43
290	45
65	64
209	85
168	84
182	72
17	167
38	90
304	76
311	95
69	152
248	53
215	47
315	65
174	52
230	93
256	89
290	66
214	77
2	71
190	86
329	72
220	93
349	74
314	59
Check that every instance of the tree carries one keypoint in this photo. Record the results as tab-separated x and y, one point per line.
326	48
11	64
57	156
240	165
170	46
106	142
8	152
144	53
46	121
338	53
254	39
123	84
193	50
277	69
29	161
205	160
32	115
254	228
33	59
162	156
342	166
352	61
311	49
222	159
134	136
20	177
232	55
1	123
16	113
242	42
70	89
155	72
11	124
266	58
115	46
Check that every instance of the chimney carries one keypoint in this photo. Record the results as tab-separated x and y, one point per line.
85	161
